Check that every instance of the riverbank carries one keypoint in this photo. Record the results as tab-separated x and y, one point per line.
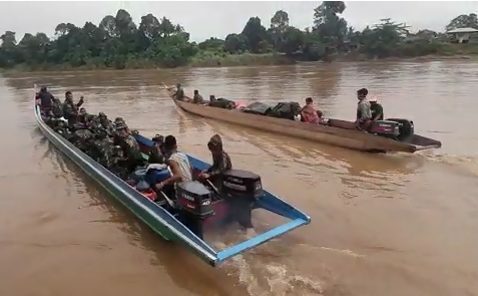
410	52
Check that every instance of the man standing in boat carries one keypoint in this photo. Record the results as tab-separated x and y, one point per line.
70	109
364	113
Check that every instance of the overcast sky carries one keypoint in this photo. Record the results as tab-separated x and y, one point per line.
205	19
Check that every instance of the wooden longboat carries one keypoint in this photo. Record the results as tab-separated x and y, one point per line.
338	132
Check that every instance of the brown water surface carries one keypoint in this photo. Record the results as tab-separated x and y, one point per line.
381	224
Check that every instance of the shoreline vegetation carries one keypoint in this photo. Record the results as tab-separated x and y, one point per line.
118	43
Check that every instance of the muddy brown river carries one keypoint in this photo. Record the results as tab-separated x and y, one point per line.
394	224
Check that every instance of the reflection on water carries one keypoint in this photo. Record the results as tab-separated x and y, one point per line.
406	221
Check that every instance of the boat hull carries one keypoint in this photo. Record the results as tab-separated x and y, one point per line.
341	137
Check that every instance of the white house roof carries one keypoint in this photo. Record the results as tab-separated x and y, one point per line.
462	30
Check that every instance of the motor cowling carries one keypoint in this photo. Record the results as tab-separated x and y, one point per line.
241	184
385	128
194	198
406	128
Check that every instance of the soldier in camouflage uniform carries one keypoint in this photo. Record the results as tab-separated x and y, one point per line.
106	124
130	148
118	163
82	139
70	109
62	129
102	148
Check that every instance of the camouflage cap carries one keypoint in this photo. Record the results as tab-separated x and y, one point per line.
102	115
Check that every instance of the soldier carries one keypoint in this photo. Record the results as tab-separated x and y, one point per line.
62	129
118	163
70	109
82	139
56	108
130	148
106	123
156	154
102	150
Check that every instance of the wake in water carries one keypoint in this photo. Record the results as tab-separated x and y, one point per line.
266	278
467	163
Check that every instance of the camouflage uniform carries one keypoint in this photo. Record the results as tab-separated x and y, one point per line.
118	163
102	150
82	139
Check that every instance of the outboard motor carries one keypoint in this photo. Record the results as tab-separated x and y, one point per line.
195	205
241	189
385	128
406	128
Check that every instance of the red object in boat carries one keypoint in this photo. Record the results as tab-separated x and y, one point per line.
241	104
150	194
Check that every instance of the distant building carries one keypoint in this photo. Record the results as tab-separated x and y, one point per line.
462	35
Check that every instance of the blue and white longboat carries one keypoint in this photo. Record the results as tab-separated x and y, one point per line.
157	217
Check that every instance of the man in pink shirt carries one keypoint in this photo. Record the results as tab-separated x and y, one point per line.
308	112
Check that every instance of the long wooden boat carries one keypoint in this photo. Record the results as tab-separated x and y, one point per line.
157	217
336	135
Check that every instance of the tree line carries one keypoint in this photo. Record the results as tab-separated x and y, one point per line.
118	42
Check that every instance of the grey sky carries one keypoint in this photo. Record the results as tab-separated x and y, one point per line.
217	19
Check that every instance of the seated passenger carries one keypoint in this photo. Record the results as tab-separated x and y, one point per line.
179	94
197	99
308	112
221	162
178	162
364	114
212	99
156	153
376	108
130	148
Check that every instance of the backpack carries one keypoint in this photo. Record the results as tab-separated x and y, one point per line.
258	108
223	103
286	110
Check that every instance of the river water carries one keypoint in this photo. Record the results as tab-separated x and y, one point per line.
394	224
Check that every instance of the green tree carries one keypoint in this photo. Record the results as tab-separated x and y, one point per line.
212	44
235	43
331	28
280	21
34	48
383	39
108	25
8	40
463	21
292	41
8	51
254	33
149	26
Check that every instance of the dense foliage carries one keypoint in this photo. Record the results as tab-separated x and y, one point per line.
119	43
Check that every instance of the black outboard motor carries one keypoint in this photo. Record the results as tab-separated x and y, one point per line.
195	205
397	129
241	189
407	128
